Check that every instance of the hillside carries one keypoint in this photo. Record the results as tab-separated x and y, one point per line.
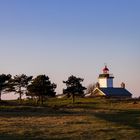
98	119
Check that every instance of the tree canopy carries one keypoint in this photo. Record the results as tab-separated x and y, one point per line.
41	87
4	79
90	88
19	84
74	86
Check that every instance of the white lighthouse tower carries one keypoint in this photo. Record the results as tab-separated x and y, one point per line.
106	79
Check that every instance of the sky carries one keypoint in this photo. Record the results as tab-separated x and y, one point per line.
60	38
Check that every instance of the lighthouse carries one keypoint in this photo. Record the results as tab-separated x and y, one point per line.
106	79
104	87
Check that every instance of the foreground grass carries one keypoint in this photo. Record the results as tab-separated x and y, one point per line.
92	119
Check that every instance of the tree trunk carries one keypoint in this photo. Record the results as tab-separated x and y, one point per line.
37	100
73	98
20	95
0	95
41	100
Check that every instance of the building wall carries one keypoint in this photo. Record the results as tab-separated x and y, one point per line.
97	93
110	82
103	82
106	82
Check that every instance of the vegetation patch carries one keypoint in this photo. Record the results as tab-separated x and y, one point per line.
87	118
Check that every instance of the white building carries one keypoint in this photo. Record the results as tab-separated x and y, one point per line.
104	87
106	79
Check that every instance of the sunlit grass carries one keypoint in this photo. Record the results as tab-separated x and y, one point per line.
97	119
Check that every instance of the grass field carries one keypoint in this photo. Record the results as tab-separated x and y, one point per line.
87	119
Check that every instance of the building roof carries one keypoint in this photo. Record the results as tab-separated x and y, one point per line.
115	91
105	69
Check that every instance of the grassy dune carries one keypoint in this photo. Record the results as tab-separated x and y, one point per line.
87	119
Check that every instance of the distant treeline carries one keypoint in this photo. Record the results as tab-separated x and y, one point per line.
40	87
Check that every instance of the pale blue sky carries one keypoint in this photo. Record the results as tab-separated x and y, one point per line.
63	37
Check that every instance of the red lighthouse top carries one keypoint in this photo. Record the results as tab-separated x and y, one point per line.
105	70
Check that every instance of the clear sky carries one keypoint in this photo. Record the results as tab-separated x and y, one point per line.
63	37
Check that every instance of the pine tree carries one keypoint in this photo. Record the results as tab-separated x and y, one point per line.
74	87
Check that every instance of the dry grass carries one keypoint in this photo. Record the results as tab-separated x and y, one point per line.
59	119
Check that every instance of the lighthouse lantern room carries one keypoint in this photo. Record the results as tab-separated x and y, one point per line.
106	79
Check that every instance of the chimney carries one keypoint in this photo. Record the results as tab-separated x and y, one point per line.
122	85
97	85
